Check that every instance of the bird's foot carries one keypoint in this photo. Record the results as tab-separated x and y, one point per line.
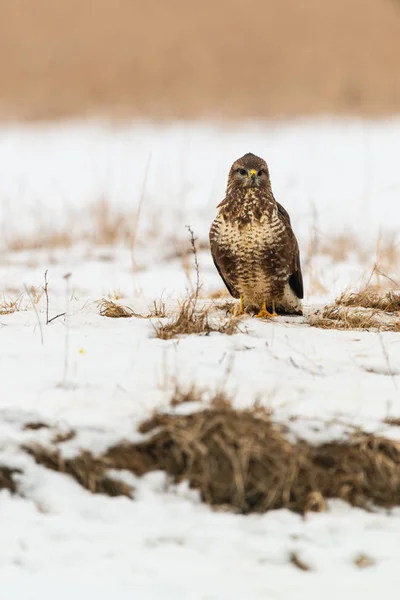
238	311
265	314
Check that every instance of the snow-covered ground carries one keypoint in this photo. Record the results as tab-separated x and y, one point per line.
103	376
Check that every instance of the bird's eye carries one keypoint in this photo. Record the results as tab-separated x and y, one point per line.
260	172
242	172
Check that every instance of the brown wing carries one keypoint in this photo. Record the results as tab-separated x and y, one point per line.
296	278
221	260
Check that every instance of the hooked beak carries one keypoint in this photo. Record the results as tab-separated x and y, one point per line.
252	176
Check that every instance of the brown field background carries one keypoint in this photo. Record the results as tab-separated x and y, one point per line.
203	58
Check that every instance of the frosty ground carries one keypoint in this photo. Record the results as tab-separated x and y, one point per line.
101	377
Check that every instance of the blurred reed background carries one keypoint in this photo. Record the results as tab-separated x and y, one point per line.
222	59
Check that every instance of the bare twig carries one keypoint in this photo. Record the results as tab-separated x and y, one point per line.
196	265
67	278
56	317
46	293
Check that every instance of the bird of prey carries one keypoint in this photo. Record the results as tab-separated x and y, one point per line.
253	244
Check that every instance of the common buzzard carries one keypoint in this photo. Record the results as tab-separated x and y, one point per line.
253	244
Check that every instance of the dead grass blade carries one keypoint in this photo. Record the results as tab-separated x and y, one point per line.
298	562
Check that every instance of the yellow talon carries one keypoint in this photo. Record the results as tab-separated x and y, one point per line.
264	313
236	310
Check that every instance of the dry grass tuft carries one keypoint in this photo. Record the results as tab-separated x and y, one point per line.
340	247
114	311
195	394
195	321
241	460
6	479
298	562
370	308
35	425
218	294
190	319
393	421
63	436
88	471
158	310
42	238
117	311
191	394
371	297
109	226
362	561
102	225
7	307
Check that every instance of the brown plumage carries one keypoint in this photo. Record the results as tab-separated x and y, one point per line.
253	244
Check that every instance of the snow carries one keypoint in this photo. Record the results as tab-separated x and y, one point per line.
102	377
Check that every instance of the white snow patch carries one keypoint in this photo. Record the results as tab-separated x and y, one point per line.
58	539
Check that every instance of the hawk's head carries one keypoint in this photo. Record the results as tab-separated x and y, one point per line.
249	171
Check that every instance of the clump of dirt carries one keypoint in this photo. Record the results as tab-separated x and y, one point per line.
241	460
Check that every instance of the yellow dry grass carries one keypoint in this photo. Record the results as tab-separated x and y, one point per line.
8	307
